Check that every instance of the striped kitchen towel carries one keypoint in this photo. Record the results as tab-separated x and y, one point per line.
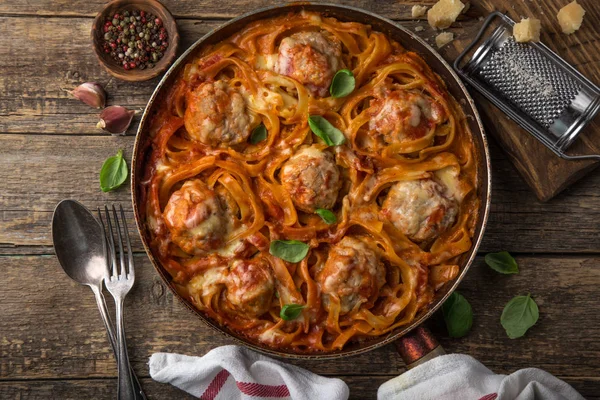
236	373
461	377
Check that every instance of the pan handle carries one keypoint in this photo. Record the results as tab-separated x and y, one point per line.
418	346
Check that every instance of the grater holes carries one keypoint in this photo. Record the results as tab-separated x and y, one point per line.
531	82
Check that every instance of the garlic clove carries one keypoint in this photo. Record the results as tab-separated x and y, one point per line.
115	119
91	93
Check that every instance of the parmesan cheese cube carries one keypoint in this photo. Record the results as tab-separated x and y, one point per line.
418	11
443	39
444	13
570	17
527	30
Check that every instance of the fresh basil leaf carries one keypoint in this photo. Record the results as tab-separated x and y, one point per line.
289	250
326	215
258	134
519	314
458	315
343	83
502	262
113	173
323	129
291	311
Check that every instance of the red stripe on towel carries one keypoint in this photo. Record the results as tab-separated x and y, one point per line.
259	390
491	396
215	386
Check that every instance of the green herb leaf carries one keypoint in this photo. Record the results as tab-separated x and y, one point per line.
113	173
502	262
519	314
458	315
326	215
323	129
258	134
291	311
289	250
343	83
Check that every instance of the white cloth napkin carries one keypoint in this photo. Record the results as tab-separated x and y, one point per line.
461	377
236	373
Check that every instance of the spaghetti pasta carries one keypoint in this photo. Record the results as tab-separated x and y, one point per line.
402	187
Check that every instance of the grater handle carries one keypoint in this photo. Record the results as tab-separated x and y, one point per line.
580	158
474	42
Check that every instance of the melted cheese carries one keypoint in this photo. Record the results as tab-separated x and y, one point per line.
230	249
449	178
161	167
211	224
270	336
266	61
208	281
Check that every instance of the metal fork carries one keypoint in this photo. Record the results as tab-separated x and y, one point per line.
119	282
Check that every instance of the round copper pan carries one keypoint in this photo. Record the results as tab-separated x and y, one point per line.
409	41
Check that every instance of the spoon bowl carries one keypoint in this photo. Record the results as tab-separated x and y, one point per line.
79	243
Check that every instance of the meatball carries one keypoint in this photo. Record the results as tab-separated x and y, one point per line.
353	273
311	58
402	116
250	286
312	179
420	209
216	115
195	218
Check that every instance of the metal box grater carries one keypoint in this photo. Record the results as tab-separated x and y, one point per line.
531	84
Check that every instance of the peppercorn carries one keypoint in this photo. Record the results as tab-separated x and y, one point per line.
134	39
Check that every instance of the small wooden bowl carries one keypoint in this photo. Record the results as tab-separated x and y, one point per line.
136	74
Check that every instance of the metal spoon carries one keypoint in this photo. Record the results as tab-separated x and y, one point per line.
79	246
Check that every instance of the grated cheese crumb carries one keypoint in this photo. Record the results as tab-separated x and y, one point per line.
570	17
444	13
527	30
418	11
443	39
419	28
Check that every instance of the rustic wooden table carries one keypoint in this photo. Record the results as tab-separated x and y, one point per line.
52	342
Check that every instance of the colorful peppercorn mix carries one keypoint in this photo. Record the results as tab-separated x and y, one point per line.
135	39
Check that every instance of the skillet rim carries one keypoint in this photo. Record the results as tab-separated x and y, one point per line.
428	53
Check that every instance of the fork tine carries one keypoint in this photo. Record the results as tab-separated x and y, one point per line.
111	241
107	249
120	240
127	242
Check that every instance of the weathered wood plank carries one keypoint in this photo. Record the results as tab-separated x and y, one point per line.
36	68
55	331
81	389
193	9
34	100
39	171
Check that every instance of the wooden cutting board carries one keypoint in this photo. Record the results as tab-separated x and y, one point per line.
542	170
